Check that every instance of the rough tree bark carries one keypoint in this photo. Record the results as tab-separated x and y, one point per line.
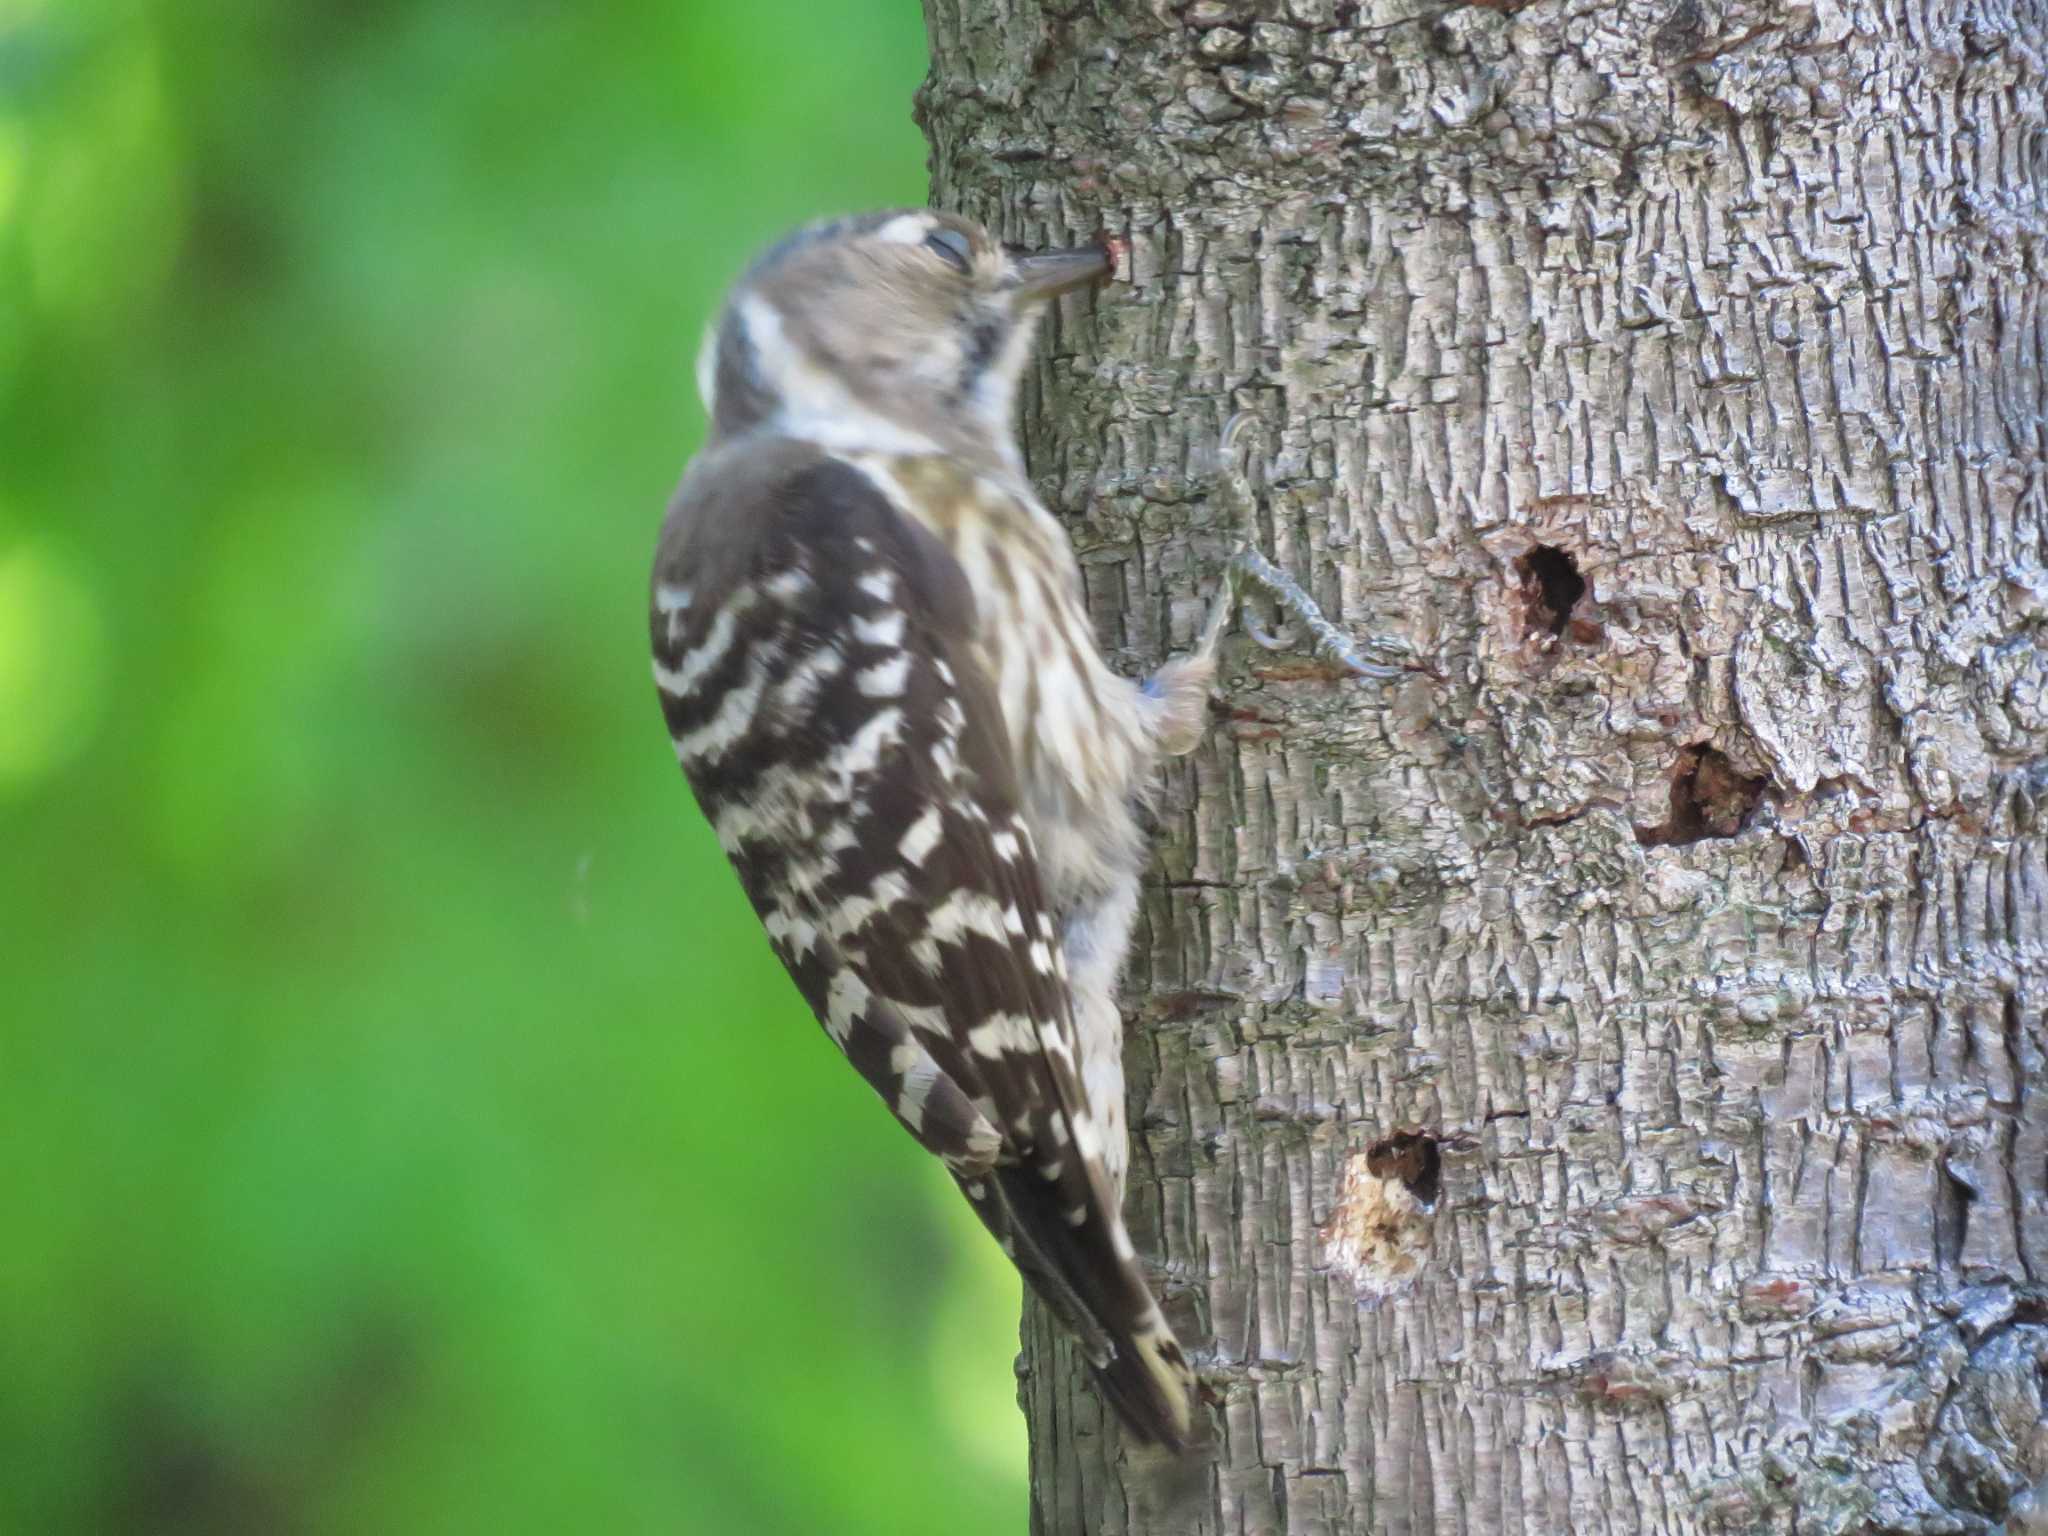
1593	1086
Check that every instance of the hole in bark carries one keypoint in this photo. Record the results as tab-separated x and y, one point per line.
1379	1234
1413	1159
1709	798
1551	589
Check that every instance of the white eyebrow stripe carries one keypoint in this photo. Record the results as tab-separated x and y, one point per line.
905	229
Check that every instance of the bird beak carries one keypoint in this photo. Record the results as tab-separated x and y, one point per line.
1043	274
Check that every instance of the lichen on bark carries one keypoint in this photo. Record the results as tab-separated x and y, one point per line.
1696	914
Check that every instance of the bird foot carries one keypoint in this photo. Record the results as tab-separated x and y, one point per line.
1379	656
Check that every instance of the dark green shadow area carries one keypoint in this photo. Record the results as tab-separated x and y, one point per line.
405	1127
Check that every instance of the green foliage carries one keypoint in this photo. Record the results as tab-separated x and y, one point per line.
405	1125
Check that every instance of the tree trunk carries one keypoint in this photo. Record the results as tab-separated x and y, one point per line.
1592	1084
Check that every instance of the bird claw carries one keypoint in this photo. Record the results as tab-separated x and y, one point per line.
1378	656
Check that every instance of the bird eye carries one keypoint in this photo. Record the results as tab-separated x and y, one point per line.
951	245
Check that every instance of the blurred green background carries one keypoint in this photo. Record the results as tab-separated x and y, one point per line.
403	1126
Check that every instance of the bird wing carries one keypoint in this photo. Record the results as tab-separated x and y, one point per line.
814	657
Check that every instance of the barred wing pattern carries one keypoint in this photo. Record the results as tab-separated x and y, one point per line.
814	658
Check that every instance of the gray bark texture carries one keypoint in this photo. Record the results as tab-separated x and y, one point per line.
1593	1082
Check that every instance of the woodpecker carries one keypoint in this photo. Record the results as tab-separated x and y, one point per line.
876	665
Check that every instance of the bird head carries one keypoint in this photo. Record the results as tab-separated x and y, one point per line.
899	331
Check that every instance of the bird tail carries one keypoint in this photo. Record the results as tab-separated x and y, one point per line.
1088	1278
1150	1385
